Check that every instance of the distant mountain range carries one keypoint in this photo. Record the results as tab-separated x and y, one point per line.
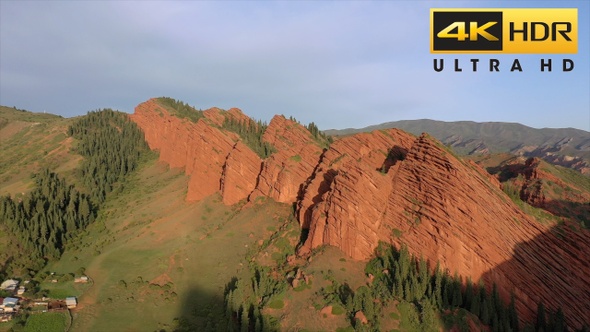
564	146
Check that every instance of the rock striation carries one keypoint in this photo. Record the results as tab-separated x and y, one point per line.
238	177
284	171
446	210
389	186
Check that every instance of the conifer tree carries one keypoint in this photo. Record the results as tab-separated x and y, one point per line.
468	294
513	314
558	323
485	313
541	324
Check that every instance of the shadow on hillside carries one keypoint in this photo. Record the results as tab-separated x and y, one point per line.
506	172
201	310
579	213
553	268
323	188
395	154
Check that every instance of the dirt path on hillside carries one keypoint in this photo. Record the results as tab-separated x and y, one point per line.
86	311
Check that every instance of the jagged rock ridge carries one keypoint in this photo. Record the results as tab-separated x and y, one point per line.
388	186
449	211
217	161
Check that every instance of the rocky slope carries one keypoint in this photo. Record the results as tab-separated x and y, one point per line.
284	171
390	186
444	210
563	193
239	173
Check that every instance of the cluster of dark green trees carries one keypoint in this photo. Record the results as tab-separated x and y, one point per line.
112	146
246	297
555	321
181	109
43	221
251	133
319	136
399	275
46	218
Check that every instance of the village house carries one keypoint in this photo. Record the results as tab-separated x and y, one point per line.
9	285
71	302
10	304
82	279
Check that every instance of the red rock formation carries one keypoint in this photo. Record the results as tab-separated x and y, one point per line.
284	171
535	188
237	114
539	187
444	210
360	316
376	150
239	174
201	149
387	186
215	115
216	163
493	180
551	268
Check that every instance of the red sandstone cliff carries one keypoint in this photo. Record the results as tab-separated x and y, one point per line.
386	186
217	161
199	148
297	154
240	171
214	158
539	187
364	150
445	210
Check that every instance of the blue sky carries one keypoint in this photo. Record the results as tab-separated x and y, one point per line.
338	63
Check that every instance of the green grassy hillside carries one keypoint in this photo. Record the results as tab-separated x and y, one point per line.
30	142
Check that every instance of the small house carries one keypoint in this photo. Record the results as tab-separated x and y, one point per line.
10	302
9	285
71	302
82	279
21	290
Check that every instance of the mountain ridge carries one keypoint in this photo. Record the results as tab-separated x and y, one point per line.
402	123
568	147
386	185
